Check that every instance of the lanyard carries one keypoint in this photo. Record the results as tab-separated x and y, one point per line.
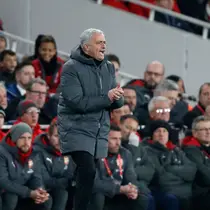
119	164
201	109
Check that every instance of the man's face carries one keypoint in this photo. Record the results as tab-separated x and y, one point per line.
10	62
3	44
38	95
202	132
161	111
167	4
96	46
54	140
127	127
130	98
161	135
1	120
204	97
116	114
117	67
24	76
172	96
31	116
3	98
47	51
114	141
153	75
24	142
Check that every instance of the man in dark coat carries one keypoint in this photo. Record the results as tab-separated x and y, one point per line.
197	149
88	91
57	170
116	184
20	175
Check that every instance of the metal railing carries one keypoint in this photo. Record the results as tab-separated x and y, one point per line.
154	8
14	43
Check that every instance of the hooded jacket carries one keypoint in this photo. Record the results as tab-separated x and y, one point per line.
200	155
16	177
143	166
174	172
84	105
57	171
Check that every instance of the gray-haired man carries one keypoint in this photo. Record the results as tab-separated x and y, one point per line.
88	92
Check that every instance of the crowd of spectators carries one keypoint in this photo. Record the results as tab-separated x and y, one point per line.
198	9
159	156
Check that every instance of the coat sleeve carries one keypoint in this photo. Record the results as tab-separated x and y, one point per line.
196	156
104	185
72	92
10	186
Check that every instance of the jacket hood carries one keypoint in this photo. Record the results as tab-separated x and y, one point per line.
191	141
79	55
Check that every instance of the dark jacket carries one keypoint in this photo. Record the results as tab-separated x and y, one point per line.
105	184
143	166
174	172
191	115
57	171
201	157
15	177
84	105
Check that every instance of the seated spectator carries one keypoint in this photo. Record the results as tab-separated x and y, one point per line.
197	150
143	166
159	109
8	63
3	96
29	114
179	82
116	114
153	75
36	92
3	43
48	65
130	97
174	173
20	176
199	109
116	182
57	170
24	73
115	61
2	116
168	19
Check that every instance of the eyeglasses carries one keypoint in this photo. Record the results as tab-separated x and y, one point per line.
202	129
150	73
163	110
32	112
38	92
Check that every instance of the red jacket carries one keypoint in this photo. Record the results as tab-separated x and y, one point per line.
36	131
52	81
2	135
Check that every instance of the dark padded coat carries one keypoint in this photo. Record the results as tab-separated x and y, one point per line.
84	105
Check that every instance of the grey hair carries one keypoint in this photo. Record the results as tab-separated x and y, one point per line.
198	120
36	80
165	85
154	100
2	85
87	34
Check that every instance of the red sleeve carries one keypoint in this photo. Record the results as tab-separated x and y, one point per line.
37	67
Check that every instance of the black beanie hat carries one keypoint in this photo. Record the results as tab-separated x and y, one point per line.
154	125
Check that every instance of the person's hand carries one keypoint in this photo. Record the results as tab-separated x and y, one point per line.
125	189
133	193
39	195
115	94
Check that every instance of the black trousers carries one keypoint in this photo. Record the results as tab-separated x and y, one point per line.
59	199
100	202
85	175
202	201
9	201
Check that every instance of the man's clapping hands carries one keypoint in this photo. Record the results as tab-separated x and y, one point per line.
115	93
130	191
